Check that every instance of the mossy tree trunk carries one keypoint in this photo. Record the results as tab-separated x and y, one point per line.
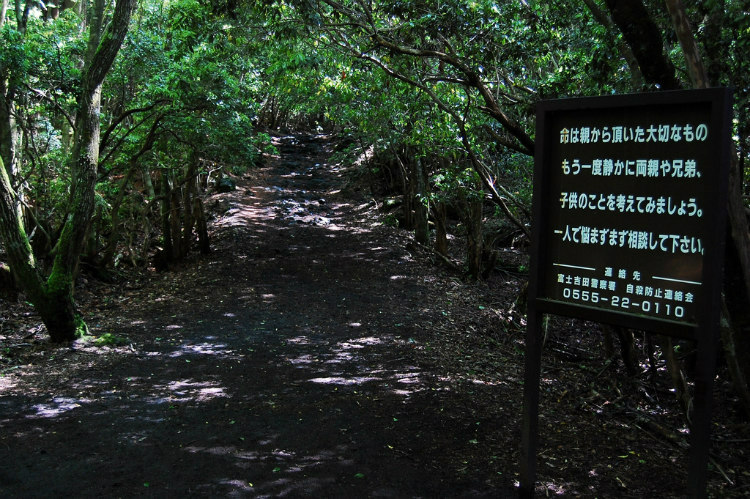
421	203
53	297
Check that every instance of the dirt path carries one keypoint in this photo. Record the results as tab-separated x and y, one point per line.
318	353
283	365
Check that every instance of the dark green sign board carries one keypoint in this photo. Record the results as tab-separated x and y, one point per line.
629	210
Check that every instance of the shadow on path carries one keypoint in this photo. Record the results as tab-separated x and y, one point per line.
283	366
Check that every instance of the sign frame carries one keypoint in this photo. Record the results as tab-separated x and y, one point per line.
703	326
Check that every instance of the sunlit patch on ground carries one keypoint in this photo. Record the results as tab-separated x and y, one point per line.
282	468
57	406
338	380
205	348
189	390
299	340
7	383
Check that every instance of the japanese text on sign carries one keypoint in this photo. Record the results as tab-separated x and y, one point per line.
647	168
629	189
616	134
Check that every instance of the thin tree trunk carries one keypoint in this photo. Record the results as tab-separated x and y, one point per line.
410	196
114	235
687	43
174	221
473	219
406	189
150	191
441	230
736	372
421	204
148	144
636	77
3	13
166	209
187	224
187	203
204	242
644	38
627	349
676	373
142	214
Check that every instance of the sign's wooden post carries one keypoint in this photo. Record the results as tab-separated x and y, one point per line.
530	428
629	214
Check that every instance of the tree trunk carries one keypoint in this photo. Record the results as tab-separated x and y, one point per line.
188	224
166	209
687	43
9	138
736	371
199	214
7	127
150	191
410	194
421	204
122	191
143	215
473	219
627	349
114	235
677	374
3	12
189	192
644	38
53	299
441	230
174	222
636	78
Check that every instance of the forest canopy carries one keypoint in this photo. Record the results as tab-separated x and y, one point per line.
117	116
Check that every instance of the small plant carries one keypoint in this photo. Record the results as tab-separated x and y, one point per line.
391	220
110	340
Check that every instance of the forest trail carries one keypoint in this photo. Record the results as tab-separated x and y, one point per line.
284	364
317	352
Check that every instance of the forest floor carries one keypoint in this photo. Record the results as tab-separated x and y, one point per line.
318	352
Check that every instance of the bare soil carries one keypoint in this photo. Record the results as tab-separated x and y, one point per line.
318	352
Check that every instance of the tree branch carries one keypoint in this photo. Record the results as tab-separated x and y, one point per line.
472	77
123	116
52	101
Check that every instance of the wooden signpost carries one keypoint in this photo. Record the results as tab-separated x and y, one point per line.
629	214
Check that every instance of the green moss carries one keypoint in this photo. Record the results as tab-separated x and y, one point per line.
59	283
109	339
